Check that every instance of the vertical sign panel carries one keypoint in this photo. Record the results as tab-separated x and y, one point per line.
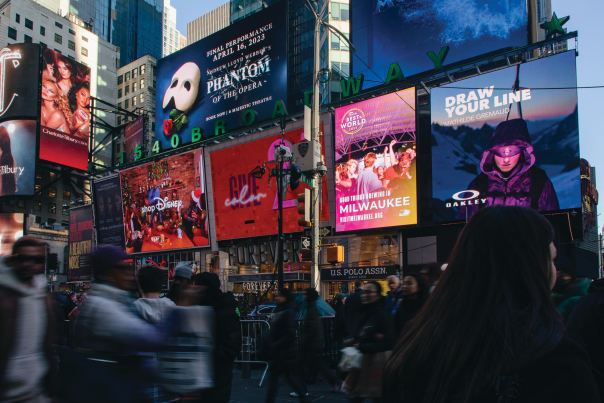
81	232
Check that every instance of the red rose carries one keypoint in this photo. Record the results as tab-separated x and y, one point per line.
168	127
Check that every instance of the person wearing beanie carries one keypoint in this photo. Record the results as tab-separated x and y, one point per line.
228	336
182	278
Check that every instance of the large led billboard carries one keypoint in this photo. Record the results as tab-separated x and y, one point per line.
388	31
17	157
212	82
64	114
11	229
245	206
108	211
164	204
19	74
375	162
493	145
81	237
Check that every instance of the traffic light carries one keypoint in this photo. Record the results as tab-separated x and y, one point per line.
304	206
295	173
335	254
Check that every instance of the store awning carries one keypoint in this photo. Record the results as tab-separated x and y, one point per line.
261	277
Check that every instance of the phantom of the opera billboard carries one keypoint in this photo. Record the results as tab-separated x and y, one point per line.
388	31
64	113
245	206
506	138
224	81
164	204
375	160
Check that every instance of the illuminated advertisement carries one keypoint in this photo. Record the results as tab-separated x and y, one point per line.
81	235
164	204
134	138
11	229
388	31
17	157
504	138
19	73
245	206
108	211
375	163
64	114
211	83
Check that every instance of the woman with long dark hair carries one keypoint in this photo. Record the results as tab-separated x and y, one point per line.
9	179
490	331
415	293
81	116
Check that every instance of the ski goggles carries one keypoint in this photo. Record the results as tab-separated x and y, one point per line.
507	151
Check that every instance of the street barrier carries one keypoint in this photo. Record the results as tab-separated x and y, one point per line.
253	332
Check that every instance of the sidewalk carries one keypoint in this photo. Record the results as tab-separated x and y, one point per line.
248	391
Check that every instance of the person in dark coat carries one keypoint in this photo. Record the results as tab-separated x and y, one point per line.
415	293
395	295
354	307
282	347
228	336
509	176
340	324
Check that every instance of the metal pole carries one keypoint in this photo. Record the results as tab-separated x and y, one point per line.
280	241
316	211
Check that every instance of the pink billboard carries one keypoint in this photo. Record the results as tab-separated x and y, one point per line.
376	183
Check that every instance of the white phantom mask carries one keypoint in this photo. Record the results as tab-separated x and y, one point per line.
184	87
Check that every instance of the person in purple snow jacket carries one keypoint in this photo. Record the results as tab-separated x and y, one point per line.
509	176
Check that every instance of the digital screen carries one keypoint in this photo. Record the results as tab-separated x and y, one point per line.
239	67
134	138
108	211
375	160
493	145
19	73
164	204
81	236
65	113
245	206
17	157
388	31
11	229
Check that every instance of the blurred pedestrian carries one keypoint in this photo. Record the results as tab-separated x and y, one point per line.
568	288
375	339
353	308
182	278
395	295
228	336
281	346
150	306
431	273
490	331
340	326
415	293
27	357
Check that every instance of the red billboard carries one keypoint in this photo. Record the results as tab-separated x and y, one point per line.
134	139
245	206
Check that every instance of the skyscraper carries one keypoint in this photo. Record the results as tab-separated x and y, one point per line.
171	36
208	23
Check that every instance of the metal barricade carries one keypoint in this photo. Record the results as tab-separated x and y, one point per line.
330	347
253	332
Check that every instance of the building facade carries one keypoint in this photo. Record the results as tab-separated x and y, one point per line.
208	23
171	36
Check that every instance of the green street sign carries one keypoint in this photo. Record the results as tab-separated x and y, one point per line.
306	180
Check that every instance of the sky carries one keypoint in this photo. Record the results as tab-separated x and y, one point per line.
189	10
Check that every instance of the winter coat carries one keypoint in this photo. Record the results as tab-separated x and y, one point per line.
312	331
393	301
586	323
152	309
521	185
565	303
354	307
27	358
406	311
340	324
282	334
375	320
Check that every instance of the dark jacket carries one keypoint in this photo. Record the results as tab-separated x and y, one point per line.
312	331
353	308
406	311
282	334
340	329
586	323
393	301
565	303
375	321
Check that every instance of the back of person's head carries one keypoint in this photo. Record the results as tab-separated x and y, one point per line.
287	294
149	279
104	260
311	294
358	285
369	160
490	315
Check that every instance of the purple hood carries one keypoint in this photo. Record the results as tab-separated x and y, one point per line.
509	133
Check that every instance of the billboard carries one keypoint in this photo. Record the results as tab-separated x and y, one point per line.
64	114
213	81
11	229
376	184
17	157
245	206
164	204
134	138
506	138
109	215
388	31
81	235
19	74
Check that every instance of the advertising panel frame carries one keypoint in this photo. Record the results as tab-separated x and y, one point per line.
97	210
81	252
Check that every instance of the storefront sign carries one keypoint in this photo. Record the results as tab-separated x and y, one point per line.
256	286
359	273
263	252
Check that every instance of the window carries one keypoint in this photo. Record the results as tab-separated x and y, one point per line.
71	45
52	192
52	208
127	76
65	210
119	93
152	127
126	103
12	33
18	19
66	194
42	31
134	85
142	83
120	80
134	73
58	25
84	38
154	70
38	174
27	39
84	51
29	24
71	31
335	41
127	90
58	38
21	203
37	189
335	11
141	98
344	12
142	69
119	105
53	176
117	146
37	205
133	101
119	118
